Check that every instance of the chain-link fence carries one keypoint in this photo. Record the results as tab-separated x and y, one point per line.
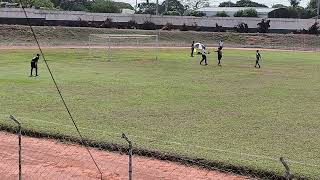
214	142
53	156
46	155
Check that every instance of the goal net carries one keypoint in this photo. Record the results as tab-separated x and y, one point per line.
119	47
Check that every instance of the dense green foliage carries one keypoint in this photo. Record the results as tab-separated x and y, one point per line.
99	6
47	4
222	14
291	12
241	3
104	6
246	13
279	6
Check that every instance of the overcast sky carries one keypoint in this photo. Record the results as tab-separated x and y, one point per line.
216	2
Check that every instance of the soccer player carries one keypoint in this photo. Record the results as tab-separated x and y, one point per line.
258	57
192	48
220	45
34	64
219	51
204	56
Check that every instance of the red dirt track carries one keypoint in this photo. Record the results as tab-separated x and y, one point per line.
49	159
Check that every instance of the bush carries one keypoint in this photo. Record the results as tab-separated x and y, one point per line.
291	12
132	24
242	28
222	14
147	25
73	6
263	26
283	13
195	13
104	6
108	23
219	28
184	27
246	13
82	23
307	13
168	27
43	4
314	29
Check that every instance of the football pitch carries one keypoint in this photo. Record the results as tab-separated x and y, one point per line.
234	114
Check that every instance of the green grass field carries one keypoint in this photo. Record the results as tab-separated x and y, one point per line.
235	114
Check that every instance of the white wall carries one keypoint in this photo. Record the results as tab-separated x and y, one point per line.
276	24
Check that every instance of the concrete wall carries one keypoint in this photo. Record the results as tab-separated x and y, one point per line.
229	22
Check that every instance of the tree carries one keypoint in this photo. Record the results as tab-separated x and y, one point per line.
283	13
276	6
104	6
123	5
241	3
248	3
312	4
174	7
294	3
37	3
246	13
195	4
291	12
227	4
222	14
43	3
147	8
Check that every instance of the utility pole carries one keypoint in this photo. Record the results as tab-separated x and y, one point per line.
167	5
136	6
318	9
157	8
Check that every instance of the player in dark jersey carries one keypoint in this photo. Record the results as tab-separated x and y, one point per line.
34	64
258	58
219	51
192	48
204	56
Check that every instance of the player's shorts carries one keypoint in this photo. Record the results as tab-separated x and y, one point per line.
204	57
219	57
33	65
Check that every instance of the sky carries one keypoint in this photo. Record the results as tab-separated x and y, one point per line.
217	2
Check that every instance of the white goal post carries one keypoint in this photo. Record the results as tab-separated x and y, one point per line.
144	45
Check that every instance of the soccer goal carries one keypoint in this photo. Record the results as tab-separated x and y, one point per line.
124	47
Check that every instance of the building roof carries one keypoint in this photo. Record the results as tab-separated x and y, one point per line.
234	9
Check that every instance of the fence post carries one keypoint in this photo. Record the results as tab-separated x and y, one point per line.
19	135
288	175
130	155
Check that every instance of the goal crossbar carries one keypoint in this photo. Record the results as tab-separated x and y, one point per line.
118	36
109	41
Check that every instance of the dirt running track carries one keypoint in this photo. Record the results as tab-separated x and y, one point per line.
49	159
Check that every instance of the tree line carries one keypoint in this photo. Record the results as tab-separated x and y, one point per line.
176	7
